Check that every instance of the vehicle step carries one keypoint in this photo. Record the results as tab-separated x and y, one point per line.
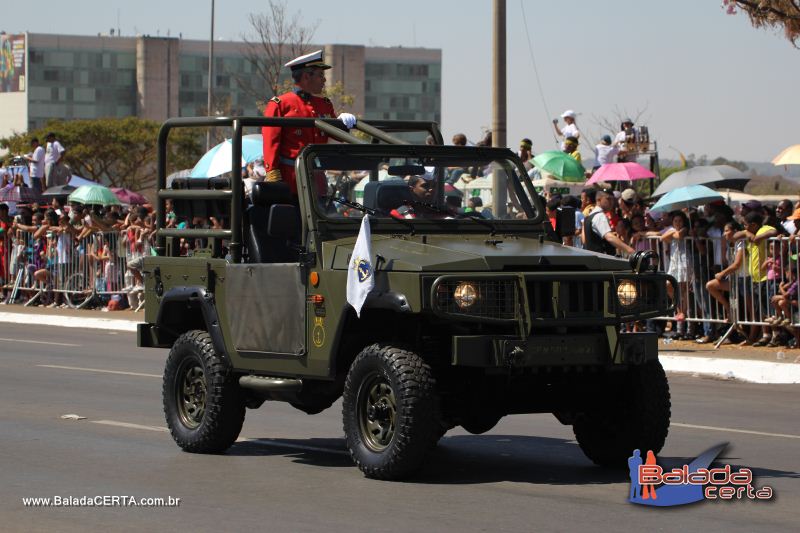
270	383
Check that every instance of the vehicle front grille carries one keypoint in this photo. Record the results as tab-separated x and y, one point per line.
571	299
498	299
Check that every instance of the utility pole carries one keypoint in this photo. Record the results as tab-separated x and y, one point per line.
499	103
210	76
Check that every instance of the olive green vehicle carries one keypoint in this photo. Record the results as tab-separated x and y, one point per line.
472	317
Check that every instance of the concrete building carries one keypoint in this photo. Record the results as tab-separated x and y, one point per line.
79	77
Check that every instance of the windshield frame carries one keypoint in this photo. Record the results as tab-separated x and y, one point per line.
531	204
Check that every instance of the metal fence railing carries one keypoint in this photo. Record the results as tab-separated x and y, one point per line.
732	283
58	266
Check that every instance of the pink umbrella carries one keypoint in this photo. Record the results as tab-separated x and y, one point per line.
126	196
620	172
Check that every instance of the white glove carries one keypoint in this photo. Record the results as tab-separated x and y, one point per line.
348	119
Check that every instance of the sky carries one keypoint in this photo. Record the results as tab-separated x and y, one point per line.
702	81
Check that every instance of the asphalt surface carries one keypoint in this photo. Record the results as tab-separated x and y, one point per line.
290	471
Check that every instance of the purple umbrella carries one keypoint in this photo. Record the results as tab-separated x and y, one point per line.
127	196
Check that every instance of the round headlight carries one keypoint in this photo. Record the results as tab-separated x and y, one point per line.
466	295
627	293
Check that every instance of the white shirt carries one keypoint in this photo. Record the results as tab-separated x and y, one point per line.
54	151
789	226
605	154
570	130
37	165
600	224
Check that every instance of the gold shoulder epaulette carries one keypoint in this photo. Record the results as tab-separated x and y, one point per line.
275	99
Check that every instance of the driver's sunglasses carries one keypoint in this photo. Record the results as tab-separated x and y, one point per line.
426	185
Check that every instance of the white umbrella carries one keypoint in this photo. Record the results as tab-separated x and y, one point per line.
218	160
718	176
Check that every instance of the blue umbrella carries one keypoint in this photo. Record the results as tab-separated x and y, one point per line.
218	160
689	196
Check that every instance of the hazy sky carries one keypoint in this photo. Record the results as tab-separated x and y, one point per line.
709	83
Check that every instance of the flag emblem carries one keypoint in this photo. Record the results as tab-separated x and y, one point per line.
364	269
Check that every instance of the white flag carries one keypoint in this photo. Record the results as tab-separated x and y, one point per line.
360	277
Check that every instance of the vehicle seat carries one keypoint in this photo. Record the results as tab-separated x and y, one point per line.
386	195
220	209
262	247
182	208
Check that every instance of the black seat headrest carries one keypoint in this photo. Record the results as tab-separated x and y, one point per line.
386	195
266	193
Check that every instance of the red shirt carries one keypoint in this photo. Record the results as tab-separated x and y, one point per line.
281	145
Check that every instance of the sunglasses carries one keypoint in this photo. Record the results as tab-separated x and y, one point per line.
426	186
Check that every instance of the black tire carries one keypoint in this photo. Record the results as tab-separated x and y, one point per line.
390	411
203	404
636	416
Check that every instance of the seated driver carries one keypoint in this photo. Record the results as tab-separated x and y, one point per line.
421	193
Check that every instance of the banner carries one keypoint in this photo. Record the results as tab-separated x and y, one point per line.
12	63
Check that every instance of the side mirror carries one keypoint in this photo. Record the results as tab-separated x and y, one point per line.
284	222
565	221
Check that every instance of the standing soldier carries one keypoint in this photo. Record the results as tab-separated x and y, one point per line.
281	145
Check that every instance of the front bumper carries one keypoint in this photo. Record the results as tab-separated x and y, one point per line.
600	349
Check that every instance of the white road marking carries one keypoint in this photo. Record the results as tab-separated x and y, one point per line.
40	342
279	444
139	374
732	430
129	425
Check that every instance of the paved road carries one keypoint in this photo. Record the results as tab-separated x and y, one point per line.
291	472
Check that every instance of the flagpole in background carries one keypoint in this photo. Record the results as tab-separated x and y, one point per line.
499	102
210	76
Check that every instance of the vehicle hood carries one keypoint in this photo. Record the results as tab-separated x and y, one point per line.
471	253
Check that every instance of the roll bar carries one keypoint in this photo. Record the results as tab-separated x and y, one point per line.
332	127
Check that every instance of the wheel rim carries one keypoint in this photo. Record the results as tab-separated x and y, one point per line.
377	412
190	393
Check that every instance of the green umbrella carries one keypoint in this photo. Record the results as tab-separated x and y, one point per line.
94	195
561	165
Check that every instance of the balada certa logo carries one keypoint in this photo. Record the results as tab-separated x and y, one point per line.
655	486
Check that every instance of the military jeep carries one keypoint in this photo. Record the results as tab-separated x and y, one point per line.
473	316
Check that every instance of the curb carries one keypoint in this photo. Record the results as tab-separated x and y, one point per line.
113	324
739	369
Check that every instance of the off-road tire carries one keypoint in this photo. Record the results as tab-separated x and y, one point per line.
414	422
636	415
194	370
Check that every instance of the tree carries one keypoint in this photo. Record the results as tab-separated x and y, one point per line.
611	124
117	152
278	37
780	14
741	165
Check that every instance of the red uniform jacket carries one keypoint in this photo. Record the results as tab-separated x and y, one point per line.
281	145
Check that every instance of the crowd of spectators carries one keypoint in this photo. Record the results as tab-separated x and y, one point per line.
42	245
709	251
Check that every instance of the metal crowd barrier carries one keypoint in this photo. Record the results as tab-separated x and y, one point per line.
82	272
751	298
